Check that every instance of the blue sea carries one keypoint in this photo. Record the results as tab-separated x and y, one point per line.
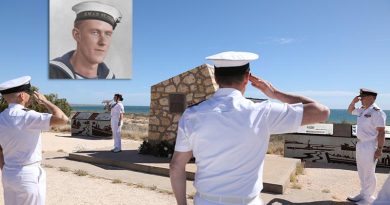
100	108
336	115
342	115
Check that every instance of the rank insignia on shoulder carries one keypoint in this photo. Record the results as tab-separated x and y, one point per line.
367	115
26	109
376	109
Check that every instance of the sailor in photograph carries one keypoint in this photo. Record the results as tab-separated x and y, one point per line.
24	180
93	30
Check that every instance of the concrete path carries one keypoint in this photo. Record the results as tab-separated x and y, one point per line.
304	196
59	161
277	170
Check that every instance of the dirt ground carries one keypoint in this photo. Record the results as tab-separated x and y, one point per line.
320	183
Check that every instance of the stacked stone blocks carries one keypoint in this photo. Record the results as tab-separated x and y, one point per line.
196	85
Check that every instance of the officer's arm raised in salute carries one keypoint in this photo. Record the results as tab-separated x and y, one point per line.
351	106
58	116
313	112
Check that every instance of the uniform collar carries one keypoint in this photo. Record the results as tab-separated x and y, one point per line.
227	92
372	107
15	106
102	70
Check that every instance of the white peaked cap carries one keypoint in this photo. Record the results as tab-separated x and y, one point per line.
232	58
15	85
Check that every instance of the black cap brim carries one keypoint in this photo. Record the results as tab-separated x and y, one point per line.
22	88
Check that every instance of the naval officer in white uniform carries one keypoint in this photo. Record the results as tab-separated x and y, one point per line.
117	111
371	122
228	134
24	181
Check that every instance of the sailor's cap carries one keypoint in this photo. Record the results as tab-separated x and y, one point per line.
232	58
232	62
367	92
16	85
98	11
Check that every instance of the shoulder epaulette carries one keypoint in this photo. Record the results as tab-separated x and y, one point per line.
376	109
26	109
256	100
195	104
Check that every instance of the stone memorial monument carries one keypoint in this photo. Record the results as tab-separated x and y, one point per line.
171	97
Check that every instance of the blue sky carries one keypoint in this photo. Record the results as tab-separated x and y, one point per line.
326	50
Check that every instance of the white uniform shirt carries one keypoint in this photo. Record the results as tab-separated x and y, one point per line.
20	135
367	122
228	135
116	111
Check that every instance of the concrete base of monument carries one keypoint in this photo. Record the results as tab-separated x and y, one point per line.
277	169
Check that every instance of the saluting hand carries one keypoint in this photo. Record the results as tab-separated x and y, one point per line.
40	98
356	99
266	87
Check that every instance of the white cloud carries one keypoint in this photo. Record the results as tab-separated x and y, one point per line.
277	41
283	41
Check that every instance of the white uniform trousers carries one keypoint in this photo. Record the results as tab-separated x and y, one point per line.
384	194
116	133
204	201
366	167
24	185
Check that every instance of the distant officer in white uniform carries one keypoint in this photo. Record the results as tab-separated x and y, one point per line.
371	122
24	181
228	134
117	111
